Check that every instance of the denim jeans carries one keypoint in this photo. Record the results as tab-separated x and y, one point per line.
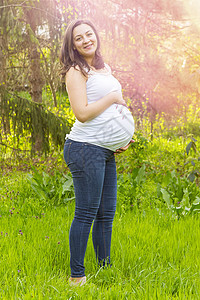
93	170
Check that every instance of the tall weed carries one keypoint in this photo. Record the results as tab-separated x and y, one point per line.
181	196
52	190
193	161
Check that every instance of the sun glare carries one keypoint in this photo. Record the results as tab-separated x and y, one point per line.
193	7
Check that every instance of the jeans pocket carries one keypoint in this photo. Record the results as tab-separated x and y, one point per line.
66	151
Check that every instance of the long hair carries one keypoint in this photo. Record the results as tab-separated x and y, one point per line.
70	57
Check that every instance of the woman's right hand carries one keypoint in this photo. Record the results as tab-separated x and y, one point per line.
117	98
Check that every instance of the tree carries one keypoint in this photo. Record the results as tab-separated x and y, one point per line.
144	43
29	20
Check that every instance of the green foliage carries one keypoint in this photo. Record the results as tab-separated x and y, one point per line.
31	119
165	179
52	190
193	162
155	231
135	192
181	196
139	147
185	206
136	154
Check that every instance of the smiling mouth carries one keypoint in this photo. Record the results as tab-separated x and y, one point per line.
88	46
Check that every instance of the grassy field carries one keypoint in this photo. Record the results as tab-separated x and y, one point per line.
155	251
154	256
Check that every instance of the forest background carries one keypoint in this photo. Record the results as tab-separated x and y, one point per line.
153	48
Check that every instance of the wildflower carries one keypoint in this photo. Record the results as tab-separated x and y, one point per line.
18	271
47	237
58	243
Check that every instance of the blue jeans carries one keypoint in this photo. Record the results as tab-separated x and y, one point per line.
93	170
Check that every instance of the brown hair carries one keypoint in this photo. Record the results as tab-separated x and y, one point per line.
70	57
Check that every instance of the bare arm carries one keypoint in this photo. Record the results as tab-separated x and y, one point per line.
76	87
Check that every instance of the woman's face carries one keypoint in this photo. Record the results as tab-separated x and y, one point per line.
85	41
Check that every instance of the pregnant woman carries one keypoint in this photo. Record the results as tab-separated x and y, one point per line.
103	126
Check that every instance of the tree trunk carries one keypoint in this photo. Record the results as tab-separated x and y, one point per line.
35	76
53	92
36	83
3	46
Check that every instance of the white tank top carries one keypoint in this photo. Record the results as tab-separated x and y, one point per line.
114	127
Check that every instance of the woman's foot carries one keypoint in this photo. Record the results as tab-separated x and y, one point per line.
77	281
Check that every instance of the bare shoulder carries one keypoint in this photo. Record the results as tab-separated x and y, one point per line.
75	74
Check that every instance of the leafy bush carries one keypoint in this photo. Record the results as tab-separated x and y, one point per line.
193	162
135	190
52	190
135	156
181	195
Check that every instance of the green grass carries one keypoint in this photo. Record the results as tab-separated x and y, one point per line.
153	256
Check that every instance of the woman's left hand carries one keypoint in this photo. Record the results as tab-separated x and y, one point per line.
122	149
